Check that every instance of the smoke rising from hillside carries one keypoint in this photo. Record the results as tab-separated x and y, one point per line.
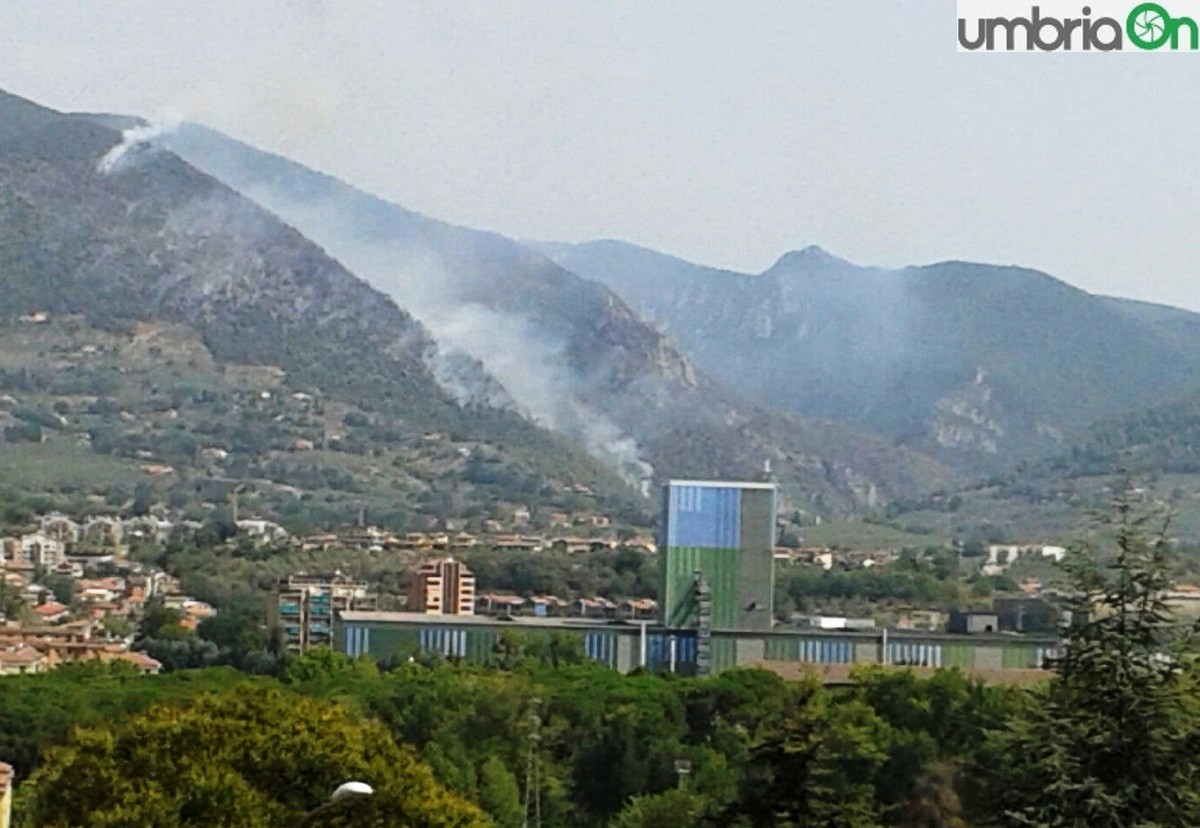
531	365
131	138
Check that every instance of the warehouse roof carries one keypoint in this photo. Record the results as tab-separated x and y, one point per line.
723	484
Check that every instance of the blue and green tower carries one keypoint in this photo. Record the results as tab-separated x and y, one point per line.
717	555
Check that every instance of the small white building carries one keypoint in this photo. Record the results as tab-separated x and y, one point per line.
263	530
1003	555
41	550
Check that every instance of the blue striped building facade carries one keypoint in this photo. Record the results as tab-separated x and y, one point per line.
627	646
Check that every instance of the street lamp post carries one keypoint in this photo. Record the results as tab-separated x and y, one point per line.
343	794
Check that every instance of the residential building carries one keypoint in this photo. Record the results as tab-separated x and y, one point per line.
51	612
1184	600
304	606
148	528
638	609
499	604
61	528
42	551
104	534
442	586
718	567
191	611
1001	556
261	530
33	649
594	608
920	619
21	659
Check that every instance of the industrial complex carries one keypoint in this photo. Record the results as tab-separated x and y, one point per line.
716	609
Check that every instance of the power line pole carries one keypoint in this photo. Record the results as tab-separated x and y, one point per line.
533	768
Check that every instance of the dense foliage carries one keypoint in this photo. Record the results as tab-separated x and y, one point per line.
1109	740
255	757
760	750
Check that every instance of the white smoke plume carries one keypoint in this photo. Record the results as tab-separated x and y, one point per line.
532	368
529	364
136	136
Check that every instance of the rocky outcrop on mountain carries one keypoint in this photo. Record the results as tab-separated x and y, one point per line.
978	364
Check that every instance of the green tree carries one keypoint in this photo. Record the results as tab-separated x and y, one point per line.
676	808
250	758
159	621
500	795
1111	740
117	626
323	663
61	585
816	769
143	499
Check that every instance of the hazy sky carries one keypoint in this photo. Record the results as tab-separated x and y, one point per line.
726	132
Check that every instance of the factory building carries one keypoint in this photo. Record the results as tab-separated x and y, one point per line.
716	610
628	645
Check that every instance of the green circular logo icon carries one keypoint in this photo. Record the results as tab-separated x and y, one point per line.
1148	26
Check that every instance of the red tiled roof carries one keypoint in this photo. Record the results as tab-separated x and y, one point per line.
22	654
139	660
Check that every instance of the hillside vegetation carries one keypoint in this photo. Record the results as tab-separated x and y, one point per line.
166	315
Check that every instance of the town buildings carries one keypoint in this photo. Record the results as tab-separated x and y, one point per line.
26	649
442	586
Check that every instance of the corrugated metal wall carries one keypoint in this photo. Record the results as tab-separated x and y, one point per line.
810	650
356	641
708	517
720	568
476	643
724	655
917	653
384	640
756	578
480	645
446	641
601	647
727	532
958	655
1026	656
658	651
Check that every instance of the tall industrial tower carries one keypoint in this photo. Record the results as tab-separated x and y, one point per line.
717	552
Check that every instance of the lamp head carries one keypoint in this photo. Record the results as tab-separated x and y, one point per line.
351	790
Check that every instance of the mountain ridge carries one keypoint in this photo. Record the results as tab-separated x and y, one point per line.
589	364
971	362
151	239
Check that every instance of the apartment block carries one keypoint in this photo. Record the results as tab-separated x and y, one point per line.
304	606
